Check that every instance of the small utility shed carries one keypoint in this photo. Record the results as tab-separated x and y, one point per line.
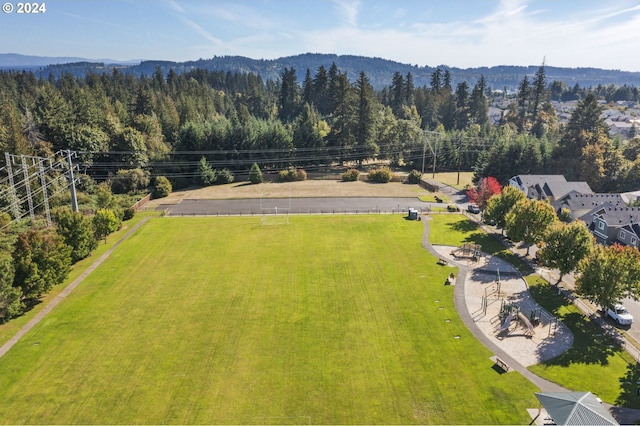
575	408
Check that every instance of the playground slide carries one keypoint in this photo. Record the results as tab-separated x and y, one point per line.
522	317
507	322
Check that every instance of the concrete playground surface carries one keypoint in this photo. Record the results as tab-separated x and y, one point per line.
498	301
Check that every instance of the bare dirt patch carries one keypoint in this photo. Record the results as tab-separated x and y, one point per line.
308	188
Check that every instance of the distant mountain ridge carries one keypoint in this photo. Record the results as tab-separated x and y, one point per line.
379	71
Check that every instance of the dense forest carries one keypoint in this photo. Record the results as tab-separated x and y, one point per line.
166	123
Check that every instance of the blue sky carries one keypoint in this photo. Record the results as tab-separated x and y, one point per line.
459	33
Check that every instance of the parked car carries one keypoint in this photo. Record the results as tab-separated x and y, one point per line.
473	208
619	314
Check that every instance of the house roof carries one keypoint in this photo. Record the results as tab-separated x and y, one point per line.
575	201
575	408
558	189
531	180
615	216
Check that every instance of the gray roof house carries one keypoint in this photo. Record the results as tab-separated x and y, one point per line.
547	187
579	204
612	224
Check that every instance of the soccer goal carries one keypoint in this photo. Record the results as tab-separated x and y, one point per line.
274	211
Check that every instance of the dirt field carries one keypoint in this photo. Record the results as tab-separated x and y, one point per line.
308	188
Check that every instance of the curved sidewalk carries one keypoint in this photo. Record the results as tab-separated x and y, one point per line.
469	283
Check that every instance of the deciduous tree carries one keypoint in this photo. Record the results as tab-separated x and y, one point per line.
609	274
565	245
41	260
487	188
77	232
499	205
528	221
105	222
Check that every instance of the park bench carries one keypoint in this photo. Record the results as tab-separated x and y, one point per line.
503	365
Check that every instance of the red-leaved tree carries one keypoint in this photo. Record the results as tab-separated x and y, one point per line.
487	188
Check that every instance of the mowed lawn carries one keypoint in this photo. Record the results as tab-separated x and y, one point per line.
328	320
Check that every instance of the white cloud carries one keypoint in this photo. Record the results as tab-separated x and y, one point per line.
348	11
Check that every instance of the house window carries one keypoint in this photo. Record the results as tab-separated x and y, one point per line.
623	235
601	226
633	241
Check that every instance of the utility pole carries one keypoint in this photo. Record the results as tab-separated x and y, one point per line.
27	185
12	186
434	150
72	184
459	157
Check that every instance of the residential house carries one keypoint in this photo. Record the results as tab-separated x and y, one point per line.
578	204
547	187
612	224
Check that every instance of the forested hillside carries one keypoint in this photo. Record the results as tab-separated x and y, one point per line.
167	123
378	70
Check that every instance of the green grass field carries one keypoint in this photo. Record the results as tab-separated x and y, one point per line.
329	320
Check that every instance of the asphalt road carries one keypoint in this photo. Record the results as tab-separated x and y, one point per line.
266	206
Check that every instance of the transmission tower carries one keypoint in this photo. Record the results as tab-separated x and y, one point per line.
27	172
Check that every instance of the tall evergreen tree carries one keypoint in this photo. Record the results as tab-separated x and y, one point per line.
436	80
288	99
478	104
307	89
341	137
365	121
537	92
524	91
462	106
585	128
409	90
398	93
321	96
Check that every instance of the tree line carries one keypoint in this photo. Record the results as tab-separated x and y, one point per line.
34	257
166	123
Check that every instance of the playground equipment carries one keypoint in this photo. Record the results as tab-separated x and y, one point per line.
534	316
506	309
468	250
526	323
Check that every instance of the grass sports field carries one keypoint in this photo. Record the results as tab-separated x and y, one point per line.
329	320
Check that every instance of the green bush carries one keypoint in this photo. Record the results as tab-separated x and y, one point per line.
129	180
414	176
381	175
180	182
255	174
351	175
292	174
162	187
224	176
128	213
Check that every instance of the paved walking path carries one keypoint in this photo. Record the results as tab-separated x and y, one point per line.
516	346
64	293
468	285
